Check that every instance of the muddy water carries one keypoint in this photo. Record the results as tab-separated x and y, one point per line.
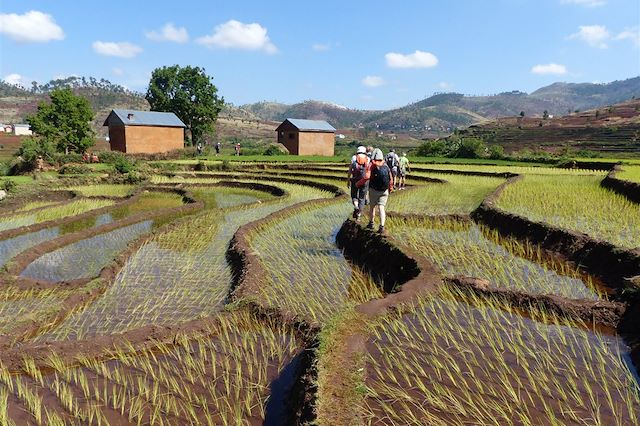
175	277
13	246
460	363
85	258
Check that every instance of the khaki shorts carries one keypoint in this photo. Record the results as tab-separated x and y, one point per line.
378	198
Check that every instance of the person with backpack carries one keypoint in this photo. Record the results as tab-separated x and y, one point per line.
378	176
357	169
393	162
403	169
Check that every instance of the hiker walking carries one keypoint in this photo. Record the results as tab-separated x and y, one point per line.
403	169
393	161
357	170
199	148
217	149
378	176
238	149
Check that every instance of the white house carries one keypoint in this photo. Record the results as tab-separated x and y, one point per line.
22	130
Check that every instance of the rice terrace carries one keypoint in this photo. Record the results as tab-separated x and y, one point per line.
173	252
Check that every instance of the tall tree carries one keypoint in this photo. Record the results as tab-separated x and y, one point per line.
64	122
190	94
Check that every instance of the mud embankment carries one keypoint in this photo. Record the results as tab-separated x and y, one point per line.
614	264
629	189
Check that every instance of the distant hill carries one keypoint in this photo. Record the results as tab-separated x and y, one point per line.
454	110
18	102
614	128
338	115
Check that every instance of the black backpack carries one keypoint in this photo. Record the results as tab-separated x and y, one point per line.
380	177
391	160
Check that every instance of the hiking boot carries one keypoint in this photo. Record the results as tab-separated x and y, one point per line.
381	230
370	226
358	218
355	214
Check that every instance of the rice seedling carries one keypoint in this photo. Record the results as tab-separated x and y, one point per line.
459	248
19	307
104	190
548	171
575	203
176	276
57	212
35	205
221	376
470	360
307	274
631	173
461	194
85	258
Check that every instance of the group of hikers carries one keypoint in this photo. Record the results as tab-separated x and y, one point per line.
372	176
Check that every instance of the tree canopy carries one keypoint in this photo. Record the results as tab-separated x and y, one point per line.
189	93
64	122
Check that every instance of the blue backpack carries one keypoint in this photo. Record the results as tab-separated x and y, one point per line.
380	177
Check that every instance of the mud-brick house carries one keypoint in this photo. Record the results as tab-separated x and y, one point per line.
144	131
307	137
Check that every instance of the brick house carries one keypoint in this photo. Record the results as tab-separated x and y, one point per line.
144	131
307	137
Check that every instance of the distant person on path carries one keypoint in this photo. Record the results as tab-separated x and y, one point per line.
357	170
238	149
199	148
403	169
378	176
393	161
217	149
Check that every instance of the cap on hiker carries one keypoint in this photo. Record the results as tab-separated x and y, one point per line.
361	150
377	154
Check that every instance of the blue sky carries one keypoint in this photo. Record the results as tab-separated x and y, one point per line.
362	54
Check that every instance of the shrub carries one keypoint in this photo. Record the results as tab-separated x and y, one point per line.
437	148
110	157
60	158
9	185
469	148
123	165
74	169
496	152
276	149
200	167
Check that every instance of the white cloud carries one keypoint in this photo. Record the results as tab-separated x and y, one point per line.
593	35
169	33
320	47
417	59
549	69
33	26
17	80
444	85
117	71
632	34
237	35
373	81
122	49
585	3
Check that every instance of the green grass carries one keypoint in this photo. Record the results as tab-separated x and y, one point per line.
521	169
462	194
631	173
35	205
577	203
73	208
103	190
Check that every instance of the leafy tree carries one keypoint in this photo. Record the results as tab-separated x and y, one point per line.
545	114
521	113
64	122
189	93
